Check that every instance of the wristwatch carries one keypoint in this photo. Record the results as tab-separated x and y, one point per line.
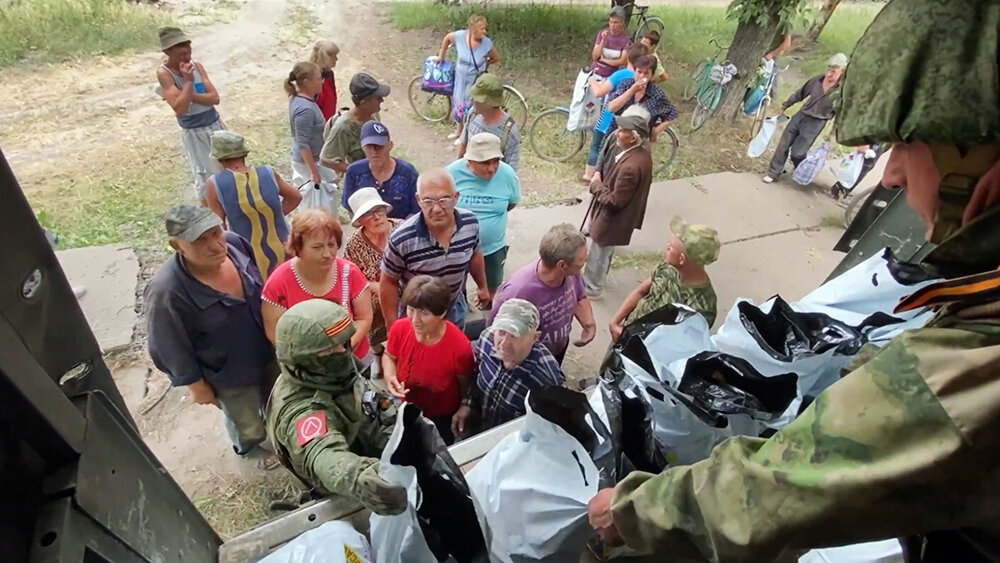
467	402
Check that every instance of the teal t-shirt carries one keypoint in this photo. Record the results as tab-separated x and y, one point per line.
487	200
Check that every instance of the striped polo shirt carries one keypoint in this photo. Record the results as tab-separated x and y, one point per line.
412	251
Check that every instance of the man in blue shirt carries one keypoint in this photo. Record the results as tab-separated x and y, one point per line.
203	318
489	189
394	178
510	362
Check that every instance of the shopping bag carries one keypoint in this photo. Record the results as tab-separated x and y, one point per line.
848	169
319	196
884	551
809	169
759	144
438	76
333	542
440	520
533	487
585	107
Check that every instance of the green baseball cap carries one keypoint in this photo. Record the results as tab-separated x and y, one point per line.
188	222
310	328
488	90
702	242
516	316
226	144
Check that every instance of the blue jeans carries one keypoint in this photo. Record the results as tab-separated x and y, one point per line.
458	311
595	148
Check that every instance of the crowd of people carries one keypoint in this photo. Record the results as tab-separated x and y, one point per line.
288	335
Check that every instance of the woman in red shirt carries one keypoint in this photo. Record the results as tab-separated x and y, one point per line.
428	360
325	54
315	272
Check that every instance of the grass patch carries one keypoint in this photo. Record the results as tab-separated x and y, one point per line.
299	26
51	30
243	505
841	33
832	222
642	261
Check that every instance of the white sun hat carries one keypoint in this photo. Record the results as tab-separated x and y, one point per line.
363	201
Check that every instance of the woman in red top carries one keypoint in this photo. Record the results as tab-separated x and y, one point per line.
315	272
325	55
428	360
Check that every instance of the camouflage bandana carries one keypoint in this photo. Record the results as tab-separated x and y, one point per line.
702	242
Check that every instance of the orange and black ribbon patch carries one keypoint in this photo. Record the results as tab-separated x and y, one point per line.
969	289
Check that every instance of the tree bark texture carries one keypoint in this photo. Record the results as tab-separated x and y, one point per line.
750	42
824	16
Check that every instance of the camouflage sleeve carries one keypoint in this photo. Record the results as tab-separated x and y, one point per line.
324	461
875	456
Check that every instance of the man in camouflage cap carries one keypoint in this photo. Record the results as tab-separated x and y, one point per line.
328	424
906	444
510	362
680	278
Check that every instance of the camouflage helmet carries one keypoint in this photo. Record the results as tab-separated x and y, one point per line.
309	328
701	242
925	70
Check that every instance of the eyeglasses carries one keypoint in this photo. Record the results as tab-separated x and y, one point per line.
444	202
376	212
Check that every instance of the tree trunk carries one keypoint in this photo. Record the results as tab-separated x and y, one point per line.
750	42
824	16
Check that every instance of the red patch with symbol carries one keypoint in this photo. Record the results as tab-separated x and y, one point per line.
310	426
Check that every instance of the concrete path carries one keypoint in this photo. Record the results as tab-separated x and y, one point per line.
109	274
771	235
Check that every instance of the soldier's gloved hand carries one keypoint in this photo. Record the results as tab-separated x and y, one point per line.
377	495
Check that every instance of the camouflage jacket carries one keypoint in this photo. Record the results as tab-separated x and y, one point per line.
323	436
667	289
905	444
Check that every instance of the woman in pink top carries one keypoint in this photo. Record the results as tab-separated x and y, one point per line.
315	272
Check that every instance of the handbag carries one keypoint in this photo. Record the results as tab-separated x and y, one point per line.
438	76
585	107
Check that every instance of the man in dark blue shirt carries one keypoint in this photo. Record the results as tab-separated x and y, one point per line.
394	178
203	318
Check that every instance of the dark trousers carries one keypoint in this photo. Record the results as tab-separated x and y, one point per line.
799	135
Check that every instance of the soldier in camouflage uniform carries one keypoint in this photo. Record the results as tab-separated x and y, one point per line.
680	278
908	444
328	424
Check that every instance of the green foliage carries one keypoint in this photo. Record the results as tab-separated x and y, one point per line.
47	30
790	13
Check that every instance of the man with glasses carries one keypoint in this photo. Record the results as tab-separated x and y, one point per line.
440	241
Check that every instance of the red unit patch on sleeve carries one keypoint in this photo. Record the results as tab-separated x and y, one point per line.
311	426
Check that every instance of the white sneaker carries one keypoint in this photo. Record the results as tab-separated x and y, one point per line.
767	179
457	142
453	135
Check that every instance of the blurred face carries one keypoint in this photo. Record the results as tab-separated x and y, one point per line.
437	202
615	25
376	220
479	30
643	73
485	169
332	59
424	321
513	349
319	248
312	85
575	268
206	252
645	42
377	153
676	253
372	105
180	53
833	73
625	138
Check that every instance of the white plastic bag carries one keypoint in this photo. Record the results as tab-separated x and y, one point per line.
885	551
441	519
585	108
333	542
809	169
532	491
759	144
319	196
848	170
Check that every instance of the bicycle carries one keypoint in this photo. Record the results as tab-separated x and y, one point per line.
551	140
761	113
646	23
711	80
435	107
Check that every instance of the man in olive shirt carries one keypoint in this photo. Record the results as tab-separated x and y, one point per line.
681	278
342	145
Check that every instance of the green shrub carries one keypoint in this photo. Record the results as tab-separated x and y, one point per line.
46	30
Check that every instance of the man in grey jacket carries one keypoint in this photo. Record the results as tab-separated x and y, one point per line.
820	93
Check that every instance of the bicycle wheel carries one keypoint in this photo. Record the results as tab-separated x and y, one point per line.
857	200
515	105
707	101
551	140
651	23
664	151
428	105
759	116
692	87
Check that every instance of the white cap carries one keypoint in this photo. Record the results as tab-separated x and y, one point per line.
363	201
839	60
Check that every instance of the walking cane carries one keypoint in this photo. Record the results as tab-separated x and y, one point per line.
589	209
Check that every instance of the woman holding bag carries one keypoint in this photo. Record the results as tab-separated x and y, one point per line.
475	52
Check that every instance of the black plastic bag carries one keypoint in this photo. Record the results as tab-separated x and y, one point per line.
719	384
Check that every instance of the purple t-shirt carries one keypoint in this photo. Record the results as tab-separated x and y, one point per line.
555	304
614	47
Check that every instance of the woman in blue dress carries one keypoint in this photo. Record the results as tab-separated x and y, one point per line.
475	53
